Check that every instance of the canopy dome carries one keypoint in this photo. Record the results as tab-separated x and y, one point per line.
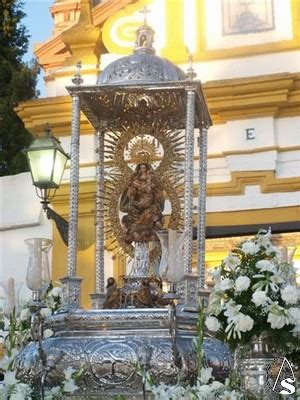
143	66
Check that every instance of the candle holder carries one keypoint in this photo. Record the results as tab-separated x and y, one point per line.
38	271
38	280
170	268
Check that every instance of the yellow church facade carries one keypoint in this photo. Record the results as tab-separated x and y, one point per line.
246	53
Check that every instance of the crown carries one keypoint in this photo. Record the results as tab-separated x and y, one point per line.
142	151
143	157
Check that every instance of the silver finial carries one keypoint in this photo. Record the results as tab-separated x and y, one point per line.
144	12
191	72
145	36
47	130
77	80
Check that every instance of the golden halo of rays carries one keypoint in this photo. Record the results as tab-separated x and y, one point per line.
143	150
169	173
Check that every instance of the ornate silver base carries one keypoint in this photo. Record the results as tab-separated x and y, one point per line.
111	343
97	300
254	378
71	292
252	363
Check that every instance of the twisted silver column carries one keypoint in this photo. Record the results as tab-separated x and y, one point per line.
201	228
74	187
189	180
100	280
71	283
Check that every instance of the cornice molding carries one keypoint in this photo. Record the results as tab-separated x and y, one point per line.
240	179
214	155
236	186
276	95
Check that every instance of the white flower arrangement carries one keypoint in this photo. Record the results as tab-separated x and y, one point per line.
206	388
255	293
15	334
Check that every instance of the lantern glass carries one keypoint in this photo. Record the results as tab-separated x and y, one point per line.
47	162
59	167
41	165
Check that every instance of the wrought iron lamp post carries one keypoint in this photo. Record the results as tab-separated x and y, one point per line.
47	160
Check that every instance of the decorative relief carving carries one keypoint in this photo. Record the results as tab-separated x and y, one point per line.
71	292
139	71
112	351
168	174
114	363
141	68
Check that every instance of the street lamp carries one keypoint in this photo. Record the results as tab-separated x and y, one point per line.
47	160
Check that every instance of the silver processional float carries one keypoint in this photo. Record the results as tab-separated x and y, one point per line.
145	112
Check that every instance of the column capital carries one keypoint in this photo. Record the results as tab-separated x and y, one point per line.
191	86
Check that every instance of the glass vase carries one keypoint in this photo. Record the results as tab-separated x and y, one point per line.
163	237
171	263
140	262
38	271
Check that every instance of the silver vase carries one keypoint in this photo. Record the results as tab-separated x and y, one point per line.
252	362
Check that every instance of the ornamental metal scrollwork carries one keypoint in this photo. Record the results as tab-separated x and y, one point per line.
131	336
168	172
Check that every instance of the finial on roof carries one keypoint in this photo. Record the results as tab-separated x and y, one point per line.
144	36
77	80
145	11
47	130
191	72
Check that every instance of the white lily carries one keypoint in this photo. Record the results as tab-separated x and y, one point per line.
232	261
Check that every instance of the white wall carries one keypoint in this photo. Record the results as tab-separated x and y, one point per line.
57	87
87	156
21	218
274	145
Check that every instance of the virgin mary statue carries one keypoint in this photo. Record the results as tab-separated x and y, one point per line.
143	202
